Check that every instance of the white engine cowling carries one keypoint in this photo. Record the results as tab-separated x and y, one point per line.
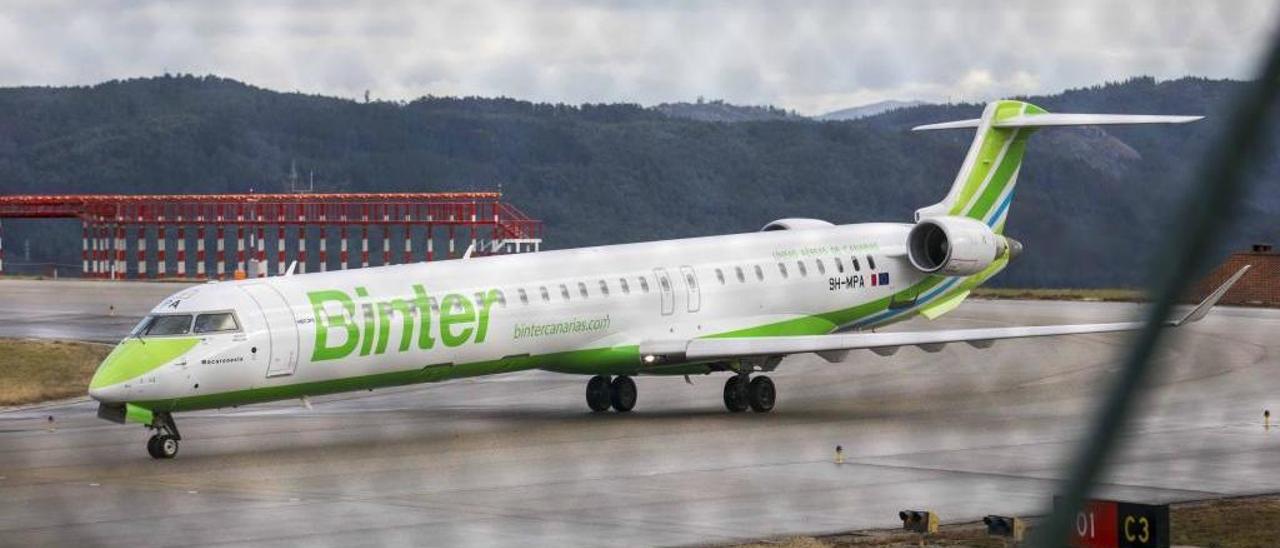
953	246
796	224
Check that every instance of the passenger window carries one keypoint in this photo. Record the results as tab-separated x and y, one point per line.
738	271
644	284
524	297
604	288
822	269
803	271
431	302
215	323
693	283
759	273
626	289
582	289
666	286
782	269
720	276
546	296
839	265
502	299
856	267
871	262
564	292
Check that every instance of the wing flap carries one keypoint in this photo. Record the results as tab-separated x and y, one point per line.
832	346
930	341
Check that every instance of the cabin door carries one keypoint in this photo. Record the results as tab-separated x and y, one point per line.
282	329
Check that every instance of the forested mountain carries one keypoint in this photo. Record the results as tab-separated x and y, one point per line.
720	111
1091	204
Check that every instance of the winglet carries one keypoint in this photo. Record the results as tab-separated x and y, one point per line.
1202	309
292	266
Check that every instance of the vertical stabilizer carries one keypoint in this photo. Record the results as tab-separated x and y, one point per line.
984	187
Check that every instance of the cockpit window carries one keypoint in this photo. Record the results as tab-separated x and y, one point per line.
162	325
216	323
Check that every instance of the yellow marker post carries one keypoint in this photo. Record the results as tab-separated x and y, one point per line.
839	455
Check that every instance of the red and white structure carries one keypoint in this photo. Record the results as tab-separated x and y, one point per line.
115	228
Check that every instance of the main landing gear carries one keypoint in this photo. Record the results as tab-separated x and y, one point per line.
602	393
164	444
742	391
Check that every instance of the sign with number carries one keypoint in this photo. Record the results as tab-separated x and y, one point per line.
1111	524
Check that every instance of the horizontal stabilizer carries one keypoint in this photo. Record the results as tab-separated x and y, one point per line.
958	124
1052	120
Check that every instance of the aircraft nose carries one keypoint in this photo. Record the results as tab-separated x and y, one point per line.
132	359
106	394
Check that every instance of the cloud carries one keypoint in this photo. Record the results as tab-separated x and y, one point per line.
810	56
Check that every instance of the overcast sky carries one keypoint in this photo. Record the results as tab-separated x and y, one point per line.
809	56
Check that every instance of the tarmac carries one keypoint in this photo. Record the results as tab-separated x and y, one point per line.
518	459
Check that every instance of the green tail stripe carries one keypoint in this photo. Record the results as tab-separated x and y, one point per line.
1001	180
992	143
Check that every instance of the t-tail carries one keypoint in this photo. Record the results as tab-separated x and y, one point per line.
984	187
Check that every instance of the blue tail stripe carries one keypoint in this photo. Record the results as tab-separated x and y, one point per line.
995	217
922	300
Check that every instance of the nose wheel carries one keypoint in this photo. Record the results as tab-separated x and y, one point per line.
164	444
619	393
742	393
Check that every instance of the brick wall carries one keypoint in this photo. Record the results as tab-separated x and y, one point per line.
1260	287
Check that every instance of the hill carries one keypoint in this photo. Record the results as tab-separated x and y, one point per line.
864	111
1091	206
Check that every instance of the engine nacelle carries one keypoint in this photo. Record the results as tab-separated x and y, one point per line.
796	224
953	246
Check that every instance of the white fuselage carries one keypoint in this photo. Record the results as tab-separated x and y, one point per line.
577	311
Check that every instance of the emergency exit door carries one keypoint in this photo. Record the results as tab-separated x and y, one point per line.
694	300
668	292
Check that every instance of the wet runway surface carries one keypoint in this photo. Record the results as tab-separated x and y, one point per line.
97	311
517	459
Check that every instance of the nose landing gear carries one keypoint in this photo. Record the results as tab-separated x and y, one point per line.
163	444
620	393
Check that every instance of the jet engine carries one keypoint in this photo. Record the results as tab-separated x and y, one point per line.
953	246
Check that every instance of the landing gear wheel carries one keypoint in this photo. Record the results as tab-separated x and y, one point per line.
162	446
622	394
761	394
735	394
598	393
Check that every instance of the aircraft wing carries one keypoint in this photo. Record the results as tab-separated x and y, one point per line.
834	347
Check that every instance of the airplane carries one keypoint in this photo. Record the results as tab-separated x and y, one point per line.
735	304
